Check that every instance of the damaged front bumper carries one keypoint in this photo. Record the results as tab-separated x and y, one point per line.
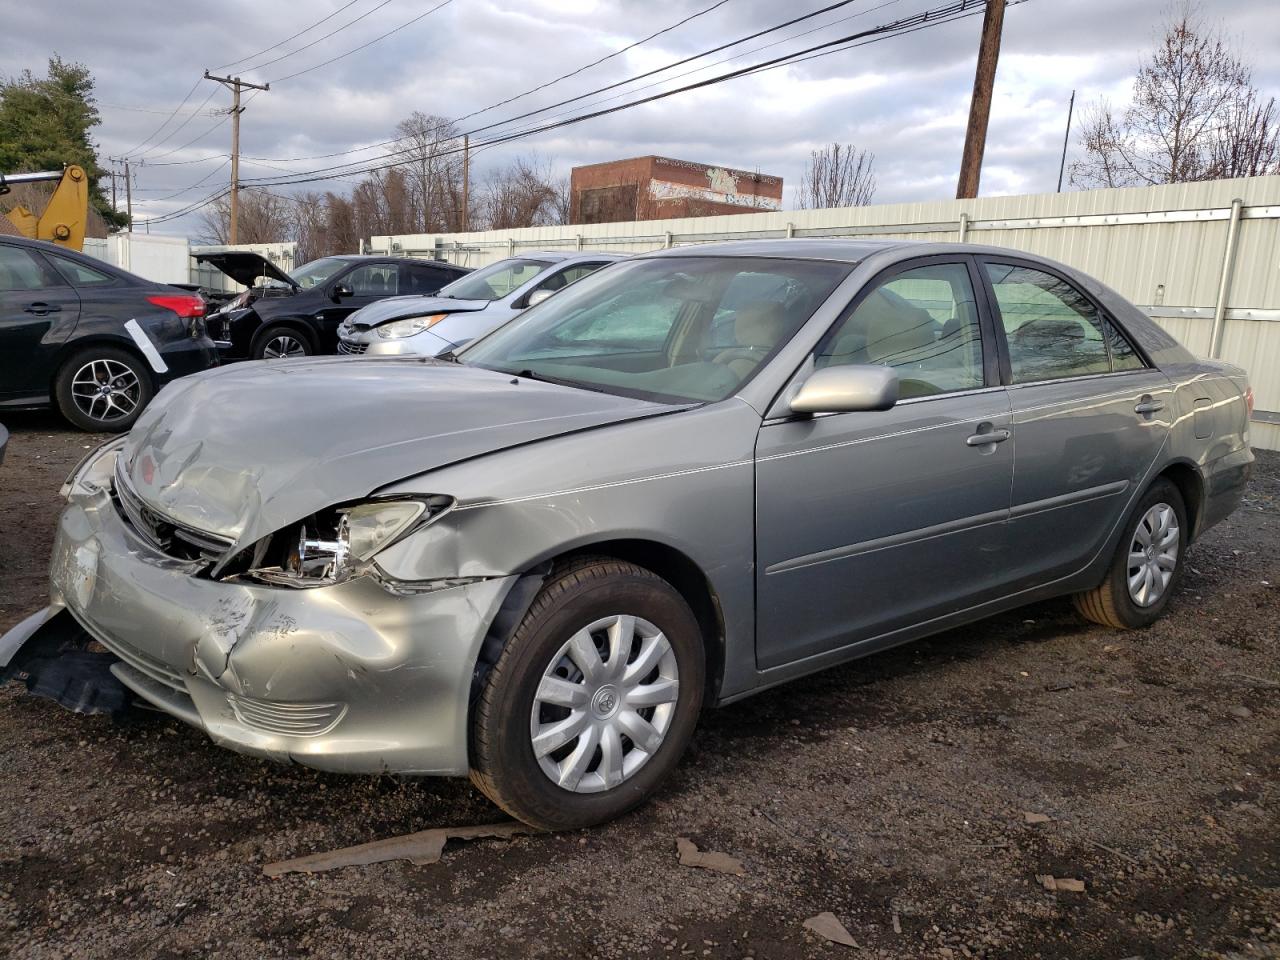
348	678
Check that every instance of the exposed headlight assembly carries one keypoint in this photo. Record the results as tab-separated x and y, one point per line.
399	329
95	472
338	544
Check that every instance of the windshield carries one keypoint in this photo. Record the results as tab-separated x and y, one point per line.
675	329
317	272
494	281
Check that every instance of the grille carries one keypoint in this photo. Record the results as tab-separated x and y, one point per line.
289	719
172	539
352	347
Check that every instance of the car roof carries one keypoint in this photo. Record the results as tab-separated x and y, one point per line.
798	248
560	256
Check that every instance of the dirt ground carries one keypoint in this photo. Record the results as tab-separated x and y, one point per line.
891	792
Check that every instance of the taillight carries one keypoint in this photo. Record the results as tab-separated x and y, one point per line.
1248	400
185	305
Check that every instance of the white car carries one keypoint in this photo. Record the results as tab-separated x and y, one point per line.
468	308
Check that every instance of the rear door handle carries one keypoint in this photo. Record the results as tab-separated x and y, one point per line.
991	436
1146	406
40	308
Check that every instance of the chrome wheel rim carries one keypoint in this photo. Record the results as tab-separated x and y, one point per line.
106	390
1153	555
283	346
604	704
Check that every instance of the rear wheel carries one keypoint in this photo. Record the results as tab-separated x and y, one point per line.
1147	565
280	343
592	702
102	389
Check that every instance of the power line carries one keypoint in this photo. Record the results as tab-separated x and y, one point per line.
343	56
592	93
308	46
223	66
199	183
928	18
135	155
164	123
593	63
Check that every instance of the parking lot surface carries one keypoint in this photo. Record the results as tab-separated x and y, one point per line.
919	795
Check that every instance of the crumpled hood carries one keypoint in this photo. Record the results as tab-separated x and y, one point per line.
244	450
397	308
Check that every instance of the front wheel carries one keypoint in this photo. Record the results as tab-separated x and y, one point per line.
1147	563
594	699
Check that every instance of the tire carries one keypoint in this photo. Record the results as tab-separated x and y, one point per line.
549	642
1113	603
103	389
280	341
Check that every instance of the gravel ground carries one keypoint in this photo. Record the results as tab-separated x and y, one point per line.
891	792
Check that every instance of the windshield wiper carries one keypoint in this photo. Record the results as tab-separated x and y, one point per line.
449	356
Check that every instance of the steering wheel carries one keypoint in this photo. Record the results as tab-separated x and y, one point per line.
729	354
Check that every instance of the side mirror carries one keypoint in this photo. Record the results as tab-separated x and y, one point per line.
537	297
844	389
342	290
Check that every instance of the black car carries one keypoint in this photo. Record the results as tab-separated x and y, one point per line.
297	314
92	340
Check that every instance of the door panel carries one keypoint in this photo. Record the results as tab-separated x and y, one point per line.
871	521
1089	418
1082	450
867	522
38	311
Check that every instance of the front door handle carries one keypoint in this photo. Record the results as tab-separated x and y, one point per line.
40	308
981	439
1147	406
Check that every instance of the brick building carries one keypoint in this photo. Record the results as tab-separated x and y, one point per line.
656	188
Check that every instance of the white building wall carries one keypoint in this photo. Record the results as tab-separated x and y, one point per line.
1163	247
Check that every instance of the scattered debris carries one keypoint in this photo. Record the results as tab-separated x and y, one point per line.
1241	712
897	922
832	930
1255	681
1029	817
691	856
1060	883
1059	686
423	847
1111	850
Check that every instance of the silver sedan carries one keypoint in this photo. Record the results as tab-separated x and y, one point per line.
686	478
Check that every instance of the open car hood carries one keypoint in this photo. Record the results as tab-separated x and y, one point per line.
398	308
243	450
246	268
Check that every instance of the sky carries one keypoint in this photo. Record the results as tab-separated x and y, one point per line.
905	99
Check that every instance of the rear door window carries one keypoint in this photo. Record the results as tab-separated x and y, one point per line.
1052	329
80	275
374	280
22	270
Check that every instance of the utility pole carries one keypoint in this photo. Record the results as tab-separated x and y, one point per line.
235	84
975	138
1066	138
128	194
466	182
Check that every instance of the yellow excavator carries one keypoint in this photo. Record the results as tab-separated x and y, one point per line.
63	220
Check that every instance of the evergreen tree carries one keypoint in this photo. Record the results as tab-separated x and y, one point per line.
45	124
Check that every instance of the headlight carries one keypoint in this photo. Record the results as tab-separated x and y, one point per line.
95	471
337	545
399	329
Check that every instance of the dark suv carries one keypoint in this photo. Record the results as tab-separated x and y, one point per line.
92	340
297	314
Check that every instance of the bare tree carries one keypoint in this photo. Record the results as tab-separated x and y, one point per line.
837	176
265	217
432	145
522	194
1194	115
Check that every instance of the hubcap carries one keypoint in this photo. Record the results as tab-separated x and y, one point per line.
604	704
283	345
106	390
1153	555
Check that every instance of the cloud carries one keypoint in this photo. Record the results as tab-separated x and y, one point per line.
905	99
